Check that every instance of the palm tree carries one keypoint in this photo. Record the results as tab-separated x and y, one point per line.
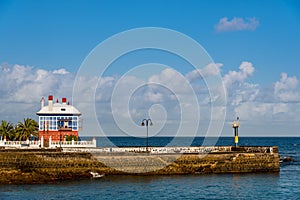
6	130
24	130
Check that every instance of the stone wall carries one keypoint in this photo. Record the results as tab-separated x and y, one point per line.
36	166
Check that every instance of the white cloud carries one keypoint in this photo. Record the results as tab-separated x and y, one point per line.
246	70
245	92
171	79
268	113
262	107
236	24
104	89
154	97
23	86
280	108
287	88
61	71
241	95
211	69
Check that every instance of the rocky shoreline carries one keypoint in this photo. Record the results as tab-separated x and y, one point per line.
48	166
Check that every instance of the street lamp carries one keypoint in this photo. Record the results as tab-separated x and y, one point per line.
147	122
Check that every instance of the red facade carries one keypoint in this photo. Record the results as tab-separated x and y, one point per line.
55	135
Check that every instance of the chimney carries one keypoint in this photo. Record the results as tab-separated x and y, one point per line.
50	102
64	100
42	102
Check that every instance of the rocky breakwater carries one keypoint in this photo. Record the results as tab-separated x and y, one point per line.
198	160
43	166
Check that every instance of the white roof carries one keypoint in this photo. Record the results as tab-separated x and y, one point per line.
59	108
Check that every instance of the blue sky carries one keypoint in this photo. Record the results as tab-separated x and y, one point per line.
53	35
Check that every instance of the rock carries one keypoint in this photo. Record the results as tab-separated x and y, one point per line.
286	159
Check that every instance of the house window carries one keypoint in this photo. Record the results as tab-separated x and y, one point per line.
50	123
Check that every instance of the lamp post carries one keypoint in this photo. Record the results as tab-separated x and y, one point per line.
147	122
235	126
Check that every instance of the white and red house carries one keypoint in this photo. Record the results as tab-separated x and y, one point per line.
57	120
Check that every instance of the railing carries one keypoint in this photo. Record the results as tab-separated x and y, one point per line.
19	144
64	144
180	150
52	144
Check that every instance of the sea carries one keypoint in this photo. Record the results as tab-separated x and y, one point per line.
282	185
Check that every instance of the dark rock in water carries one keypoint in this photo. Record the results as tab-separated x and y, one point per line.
286	159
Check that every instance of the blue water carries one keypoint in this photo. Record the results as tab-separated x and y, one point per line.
283	185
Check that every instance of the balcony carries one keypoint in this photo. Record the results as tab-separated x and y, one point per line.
64	129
